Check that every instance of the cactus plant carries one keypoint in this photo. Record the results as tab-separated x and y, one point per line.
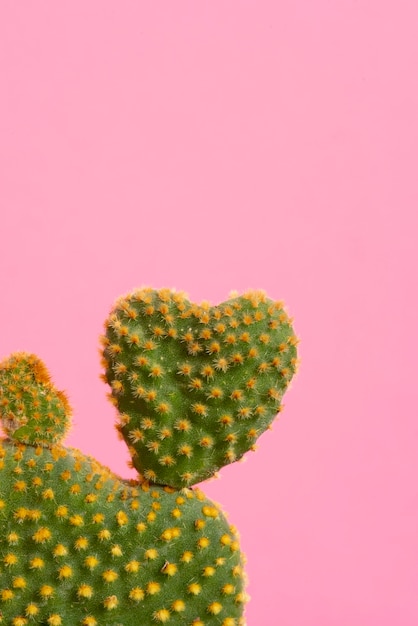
194	387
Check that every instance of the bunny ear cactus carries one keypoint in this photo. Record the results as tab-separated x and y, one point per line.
195	386
32	410
79	546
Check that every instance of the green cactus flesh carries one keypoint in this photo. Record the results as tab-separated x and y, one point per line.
79	546
195	386
32	410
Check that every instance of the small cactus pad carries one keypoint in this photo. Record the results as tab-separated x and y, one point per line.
81	547
32	410
195	385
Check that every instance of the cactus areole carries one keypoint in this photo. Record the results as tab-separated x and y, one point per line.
194	387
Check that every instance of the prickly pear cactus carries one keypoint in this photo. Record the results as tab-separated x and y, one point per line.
194	386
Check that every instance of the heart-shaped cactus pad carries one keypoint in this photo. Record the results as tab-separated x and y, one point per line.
195	385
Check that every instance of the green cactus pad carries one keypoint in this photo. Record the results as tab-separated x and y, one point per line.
81	547
195	385
32	410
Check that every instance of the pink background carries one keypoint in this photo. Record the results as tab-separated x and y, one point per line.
212	146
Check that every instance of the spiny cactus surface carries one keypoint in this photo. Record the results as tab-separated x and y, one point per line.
195	385
32	410
79	546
